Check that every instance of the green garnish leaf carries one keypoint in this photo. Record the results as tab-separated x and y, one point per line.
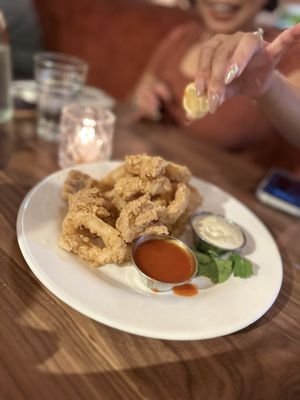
213	267
209	270
219	268
224	268
241	267
202	258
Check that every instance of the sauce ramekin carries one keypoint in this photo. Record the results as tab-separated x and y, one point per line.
155	284
205	244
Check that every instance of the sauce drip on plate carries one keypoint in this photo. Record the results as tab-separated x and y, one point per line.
186	290
165	261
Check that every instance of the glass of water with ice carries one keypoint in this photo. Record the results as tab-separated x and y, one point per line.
60	79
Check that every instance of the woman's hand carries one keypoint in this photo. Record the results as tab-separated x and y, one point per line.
241	63
149	97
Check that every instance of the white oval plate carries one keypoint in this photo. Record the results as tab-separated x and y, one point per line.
114	295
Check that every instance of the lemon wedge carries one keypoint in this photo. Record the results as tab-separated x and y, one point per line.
196	107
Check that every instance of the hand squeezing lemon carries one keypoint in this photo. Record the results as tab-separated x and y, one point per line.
196	107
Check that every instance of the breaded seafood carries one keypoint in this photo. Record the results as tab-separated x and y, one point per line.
143	165
85	233
75	181
140	217
144	195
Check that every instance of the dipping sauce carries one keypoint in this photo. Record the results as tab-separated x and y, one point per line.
186	290
165	261
218	231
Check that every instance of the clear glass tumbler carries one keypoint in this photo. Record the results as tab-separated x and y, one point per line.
86	134
60	79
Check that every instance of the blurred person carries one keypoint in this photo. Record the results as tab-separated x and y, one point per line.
245	117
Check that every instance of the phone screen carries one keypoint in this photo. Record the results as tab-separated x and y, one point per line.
284	187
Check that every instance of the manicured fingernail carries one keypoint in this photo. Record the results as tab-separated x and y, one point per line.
200	85
232	73
214	101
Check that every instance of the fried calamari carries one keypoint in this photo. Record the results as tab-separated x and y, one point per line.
144	195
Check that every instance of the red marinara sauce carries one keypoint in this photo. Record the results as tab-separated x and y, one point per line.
165	260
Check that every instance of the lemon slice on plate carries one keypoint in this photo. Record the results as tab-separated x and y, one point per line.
196	107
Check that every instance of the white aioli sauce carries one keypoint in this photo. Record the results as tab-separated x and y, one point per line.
218	231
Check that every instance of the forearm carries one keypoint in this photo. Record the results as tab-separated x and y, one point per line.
281	104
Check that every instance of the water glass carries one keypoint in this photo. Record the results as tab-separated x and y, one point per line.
86	134
60	79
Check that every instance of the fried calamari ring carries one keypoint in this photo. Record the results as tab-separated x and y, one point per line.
108	182
177	206
143	165
76	181
129	187
73	238
178	173
194	202
87	235
139	217
89	200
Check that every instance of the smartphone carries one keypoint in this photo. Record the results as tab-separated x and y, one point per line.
281	190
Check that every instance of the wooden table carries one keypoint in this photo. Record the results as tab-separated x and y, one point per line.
50	351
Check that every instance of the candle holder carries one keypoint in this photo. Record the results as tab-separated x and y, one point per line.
86	134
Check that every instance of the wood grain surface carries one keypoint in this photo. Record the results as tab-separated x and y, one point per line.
50	351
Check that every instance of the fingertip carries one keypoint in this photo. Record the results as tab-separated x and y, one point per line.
215	99
200	86
231	73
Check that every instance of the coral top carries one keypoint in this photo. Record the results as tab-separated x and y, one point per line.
239	121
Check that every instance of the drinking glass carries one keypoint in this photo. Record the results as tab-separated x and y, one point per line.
86	134
60	79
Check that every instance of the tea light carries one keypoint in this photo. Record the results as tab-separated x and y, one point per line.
86	134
